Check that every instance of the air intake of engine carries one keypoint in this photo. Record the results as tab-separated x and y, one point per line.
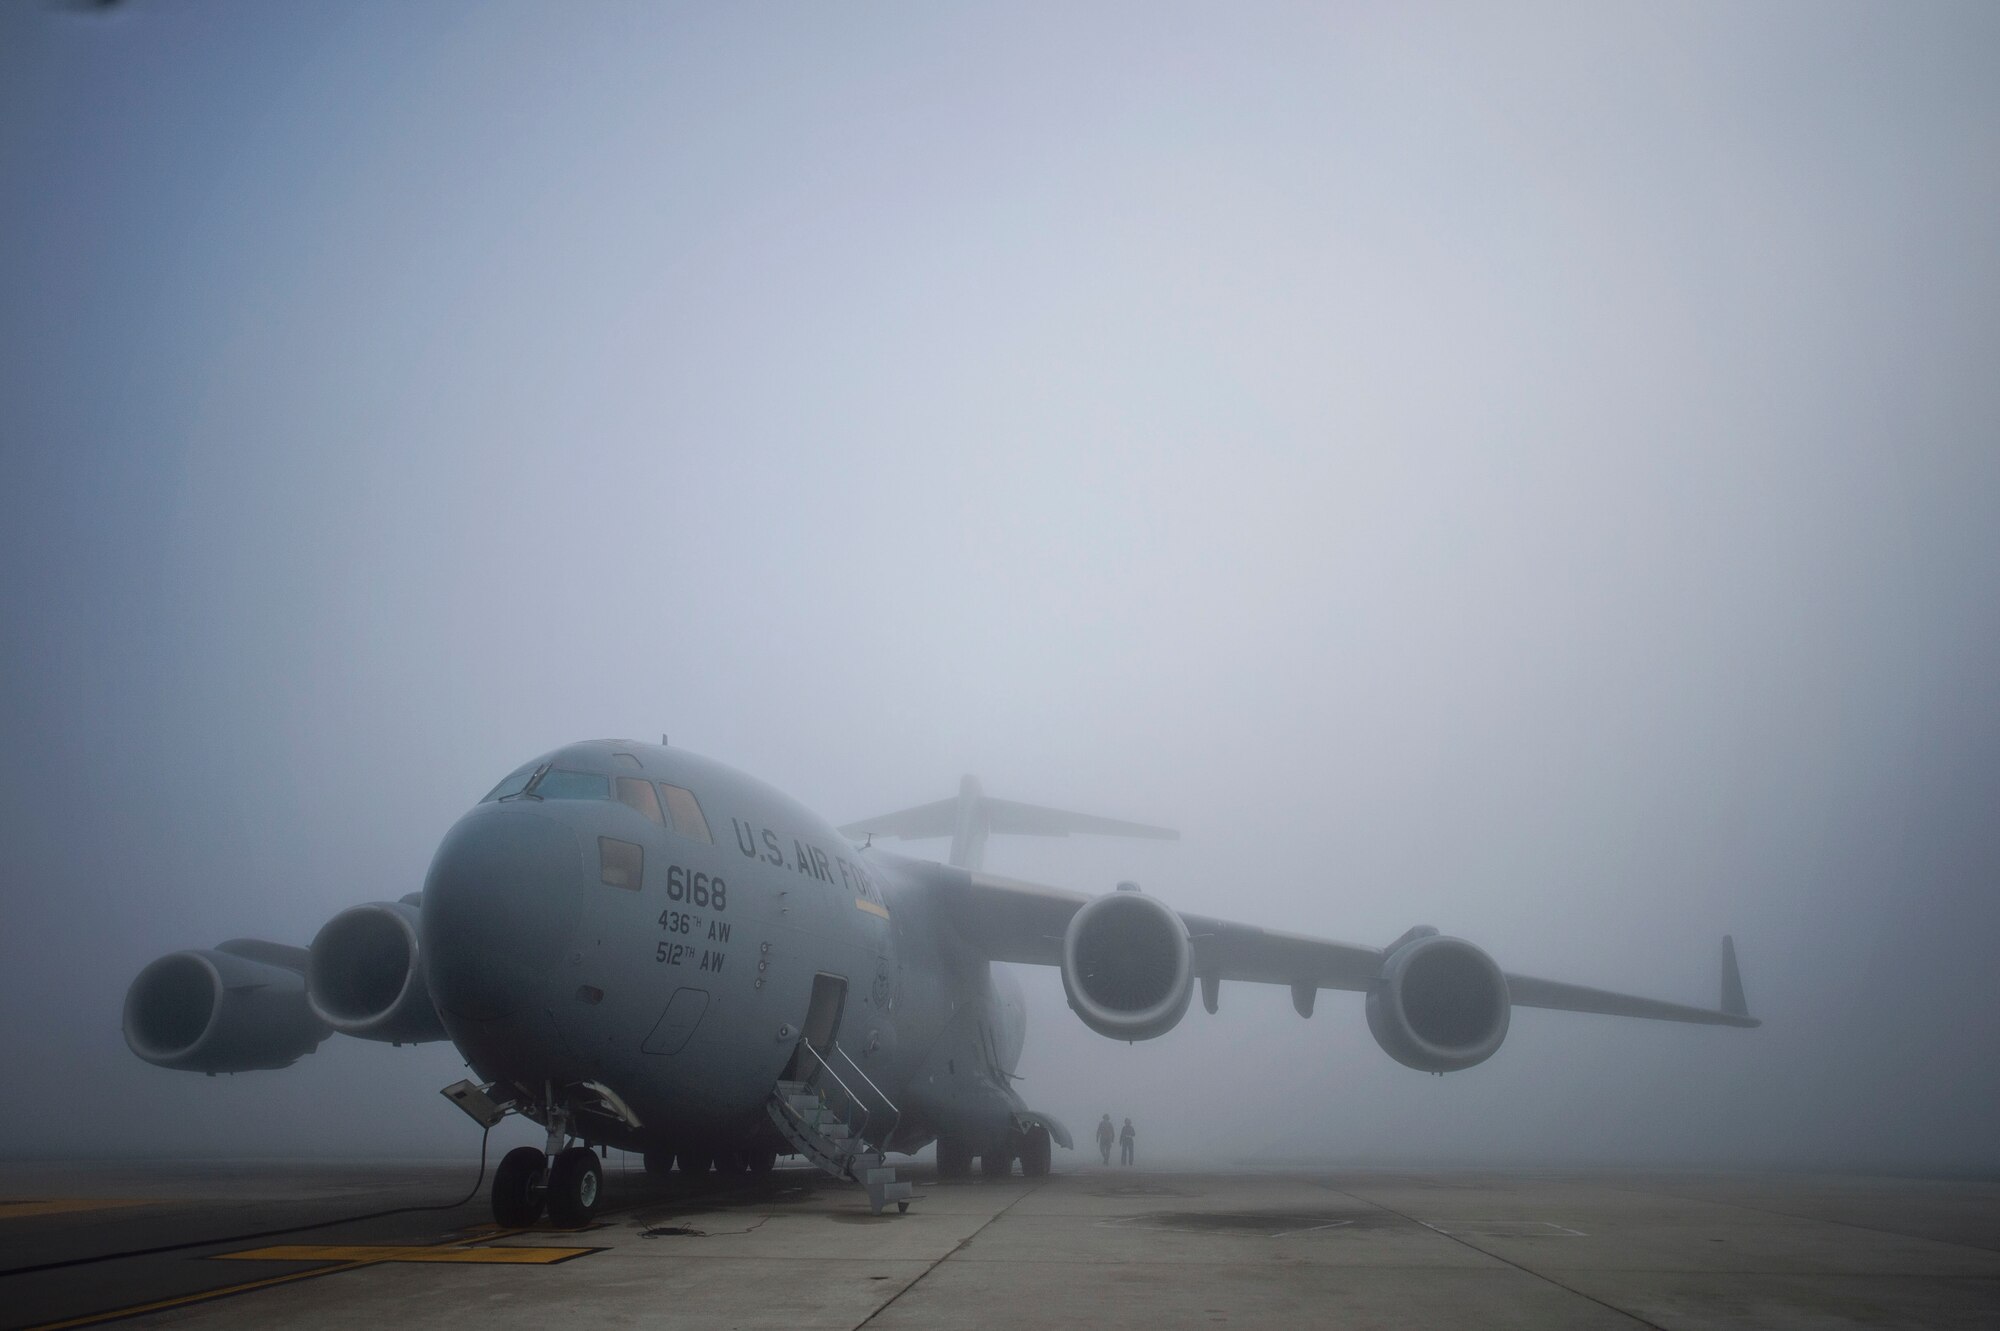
1441	1005
215	1011
365	977
1128	966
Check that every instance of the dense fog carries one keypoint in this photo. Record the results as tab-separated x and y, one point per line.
1524	470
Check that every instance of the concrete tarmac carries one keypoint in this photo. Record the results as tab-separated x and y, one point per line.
221	1246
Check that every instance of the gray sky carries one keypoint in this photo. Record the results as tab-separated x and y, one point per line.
1523	470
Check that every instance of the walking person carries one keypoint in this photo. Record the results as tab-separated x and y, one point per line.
1125	1136
1105	1132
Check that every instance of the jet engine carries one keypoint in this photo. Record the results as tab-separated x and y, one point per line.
1128	966
1441	1005
365	976
222	1010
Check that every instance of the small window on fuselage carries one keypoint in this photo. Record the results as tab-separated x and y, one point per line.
639	794
686	813
561	785
620	863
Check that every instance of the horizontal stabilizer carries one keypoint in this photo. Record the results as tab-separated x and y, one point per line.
1034	820
926	820
974	815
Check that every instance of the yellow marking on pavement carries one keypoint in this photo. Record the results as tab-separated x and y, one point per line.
863	903
32	1206
161	1305
338	1259
402	1252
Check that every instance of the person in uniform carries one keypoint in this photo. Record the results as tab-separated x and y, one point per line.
1125	1136
1105	1132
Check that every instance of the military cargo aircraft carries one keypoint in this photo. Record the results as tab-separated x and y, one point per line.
637	947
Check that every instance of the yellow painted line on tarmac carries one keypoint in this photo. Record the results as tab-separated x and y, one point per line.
403	1252
340	1257
182	1301
37	1206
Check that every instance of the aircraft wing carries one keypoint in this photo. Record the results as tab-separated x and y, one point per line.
1009	920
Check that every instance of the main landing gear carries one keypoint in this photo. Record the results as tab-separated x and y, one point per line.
1035	1152
954	1157
1032	1148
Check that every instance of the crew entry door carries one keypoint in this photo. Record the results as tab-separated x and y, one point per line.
820	1027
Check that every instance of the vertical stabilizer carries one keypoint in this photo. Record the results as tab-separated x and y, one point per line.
969	827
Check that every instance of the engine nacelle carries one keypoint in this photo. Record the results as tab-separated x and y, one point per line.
366	978
1128	966
217	1011
1441	1005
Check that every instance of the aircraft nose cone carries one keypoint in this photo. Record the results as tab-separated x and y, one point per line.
501	900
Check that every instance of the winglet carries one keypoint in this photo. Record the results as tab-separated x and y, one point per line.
1732	981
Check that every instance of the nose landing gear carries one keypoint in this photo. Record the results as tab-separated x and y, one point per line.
574	1185
517	1188
566	1179
523	1185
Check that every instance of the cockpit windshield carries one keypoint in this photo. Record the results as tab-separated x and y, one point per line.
557	784
539	781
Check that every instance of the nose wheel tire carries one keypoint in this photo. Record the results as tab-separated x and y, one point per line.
575	1185
517	1188
996	1163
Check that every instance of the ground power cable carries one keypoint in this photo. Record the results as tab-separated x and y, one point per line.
264	1233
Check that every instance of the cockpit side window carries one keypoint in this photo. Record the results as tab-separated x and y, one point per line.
686	813
561	785
639	794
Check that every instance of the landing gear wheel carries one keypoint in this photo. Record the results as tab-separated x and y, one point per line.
574	1187
763	1162
517	1188
1036	1150
954	1158
659	1163
694	1164
729	1160
996	1163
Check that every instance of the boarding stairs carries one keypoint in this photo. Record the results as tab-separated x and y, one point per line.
819	1123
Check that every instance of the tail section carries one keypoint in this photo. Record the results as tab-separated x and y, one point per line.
975	815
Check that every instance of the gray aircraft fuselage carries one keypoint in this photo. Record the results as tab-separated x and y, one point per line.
591	931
